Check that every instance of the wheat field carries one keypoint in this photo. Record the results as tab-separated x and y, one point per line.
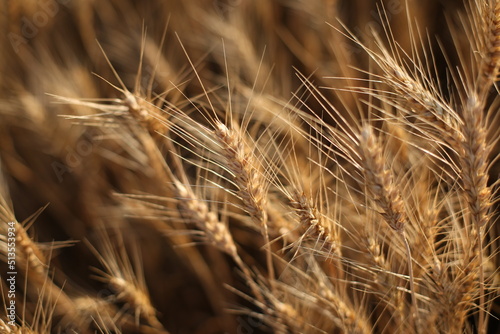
234	166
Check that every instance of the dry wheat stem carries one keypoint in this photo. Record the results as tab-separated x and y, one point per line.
422	97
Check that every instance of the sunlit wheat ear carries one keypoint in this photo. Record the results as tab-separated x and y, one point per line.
245	169
238	152
474	155
413	90
303	183
125	280
132	124
381	189
482	27
28	253
194	210
132	105
492	60
37	319
379	181
316	227
248	177
103	312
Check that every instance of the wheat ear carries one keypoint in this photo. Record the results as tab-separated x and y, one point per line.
251	187
474	153
34	265
196	211
127	282
414	94
490	64
380	186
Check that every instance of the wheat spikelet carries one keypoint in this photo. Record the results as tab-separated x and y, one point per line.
381	188
196	211
312	224
240	162
474	157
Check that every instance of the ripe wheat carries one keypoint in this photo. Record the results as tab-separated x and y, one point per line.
249	167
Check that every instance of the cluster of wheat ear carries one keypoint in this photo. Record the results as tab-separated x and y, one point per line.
218	166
